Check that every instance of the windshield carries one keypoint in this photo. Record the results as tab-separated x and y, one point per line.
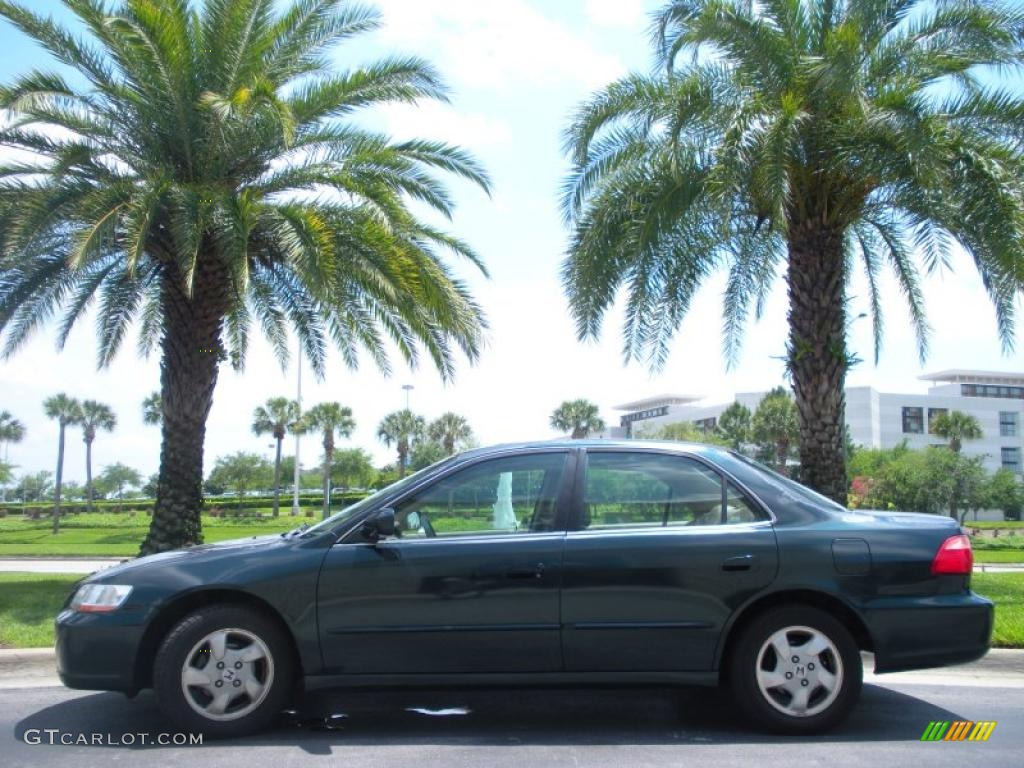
786	485
342	517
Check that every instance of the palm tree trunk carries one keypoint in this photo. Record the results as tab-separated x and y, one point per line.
191	352
88	475
817	352
328	451
277	478
60	476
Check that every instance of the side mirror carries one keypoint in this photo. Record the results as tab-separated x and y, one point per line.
379	525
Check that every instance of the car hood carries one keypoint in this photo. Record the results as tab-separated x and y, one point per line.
199	553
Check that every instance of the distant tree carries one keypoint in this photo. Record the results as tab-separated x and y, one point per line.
65	410
329	419
352	467
149	487
450	430
580	418
95	416
276	418
681	431
775	428
733	426
401	429
117	477
1005	492
956	426
36	486
240	471
6	473
153	409
426	452
11	431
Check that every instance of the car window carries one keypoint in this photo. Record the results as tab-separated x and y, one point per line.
517	494
657	490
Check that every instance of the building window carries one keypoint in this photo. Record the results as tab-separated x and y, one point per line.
651	413
933	414
706	425
913	421
1007	424
1011	459
989	390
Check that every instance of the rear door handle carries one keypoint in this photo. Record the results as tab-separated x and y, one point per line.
739	563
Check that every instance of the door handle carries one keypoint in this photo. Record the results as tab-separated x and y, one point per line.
739	563
526	573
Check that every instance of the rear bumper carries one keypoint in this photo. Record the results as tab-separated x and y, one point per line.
918	633
95	652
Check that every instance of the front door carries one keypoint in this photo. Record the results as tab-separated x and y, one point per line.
663	550
470	583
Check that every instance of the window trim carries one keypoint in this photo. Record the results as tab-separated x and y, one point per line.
753	501
564	501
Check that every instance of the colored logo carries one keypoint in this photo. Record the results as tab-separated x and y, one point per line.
959	730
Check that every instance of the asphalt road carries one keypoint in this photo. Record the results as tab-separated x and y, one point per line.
520	728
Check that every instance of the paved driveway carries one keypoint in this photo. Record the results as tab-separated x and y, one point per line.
520	728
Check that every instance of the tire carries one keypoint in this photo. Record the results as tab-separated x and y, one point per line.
240	692
770	689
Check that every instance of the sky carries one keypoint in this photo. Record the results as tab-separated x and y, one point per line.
516	69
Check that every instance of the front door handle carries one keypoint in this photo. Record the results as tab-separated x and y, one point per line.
526	573
739	563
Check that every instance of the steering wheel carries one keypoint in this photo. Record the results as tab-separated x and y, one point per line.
428	529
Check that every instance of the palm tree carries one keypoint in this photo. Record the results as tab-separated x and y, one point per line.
330	419
401	429
775	427
812	135
276	417
450	429
94	416
956	426
11	431
202	172
734	426
153	409
66	410
580	417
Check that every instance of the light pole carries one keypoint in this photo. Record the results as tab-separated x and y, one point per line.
298	437
408	388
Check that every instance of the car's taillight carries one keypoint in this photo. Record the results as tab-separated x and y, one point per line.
954	556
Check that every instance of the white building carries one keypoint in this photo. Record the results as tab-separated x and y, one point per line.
881	419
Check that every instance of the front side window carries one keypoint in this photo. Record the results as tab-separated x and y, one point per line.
517	494
650	490
913	421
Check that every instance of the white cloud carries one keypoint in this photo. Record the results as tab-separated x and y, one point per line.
488	44
617	14
434	120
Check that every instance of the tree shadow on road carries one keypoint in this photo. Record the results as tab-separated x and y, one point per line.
535	716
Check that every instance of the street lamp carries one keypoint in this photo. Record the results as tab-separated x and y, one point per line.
408	388
298	437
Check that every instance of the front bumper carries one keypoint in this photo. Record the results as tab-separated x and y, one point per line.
918	633
97	651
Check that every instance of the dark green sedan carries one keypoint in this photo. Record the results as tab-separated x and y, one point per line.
567	562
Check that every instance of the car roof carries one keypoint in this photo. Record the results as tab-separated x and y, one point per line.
566	443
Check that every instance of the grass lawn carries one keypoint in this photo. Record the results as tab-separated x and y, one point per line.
28	603
119	535
1006	590
999	555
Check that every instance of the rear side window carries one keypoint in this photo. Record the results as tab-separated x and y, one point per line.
650	490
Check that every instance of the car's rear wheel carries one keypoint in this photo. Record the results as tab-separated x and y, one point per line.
224	670
796	670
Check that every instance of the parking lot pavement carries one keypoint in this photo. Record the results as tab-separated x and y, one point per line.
520	727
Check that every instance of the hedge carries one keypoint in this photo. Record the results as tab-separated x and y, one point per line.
226	504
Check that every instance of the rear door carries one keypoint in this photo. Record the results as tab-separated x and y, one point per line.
469	585
662	549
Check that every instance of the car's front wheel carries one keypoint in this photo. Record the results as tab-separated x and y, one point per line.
796	670
223	670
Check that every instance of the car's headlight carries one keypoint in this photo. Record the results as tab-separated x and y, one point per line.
100	598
